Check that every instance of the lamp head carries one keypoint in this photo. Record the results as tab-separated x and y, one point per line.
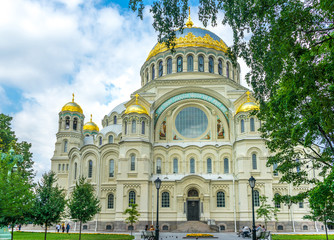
157	183
252	182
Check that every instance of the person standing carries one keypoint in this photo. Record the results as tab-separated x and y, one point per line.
57	227
68	227
63	227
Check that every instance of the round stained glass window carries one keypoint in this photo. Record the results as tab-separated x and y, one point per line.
191	122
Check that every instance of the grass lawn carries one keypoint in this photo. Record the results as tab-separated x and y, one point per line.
302	237
70	236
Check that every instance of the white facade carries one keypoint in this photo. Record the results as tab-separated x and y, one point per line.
189	125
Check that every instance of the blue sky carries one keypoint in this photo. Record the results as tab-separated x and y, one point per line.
50	49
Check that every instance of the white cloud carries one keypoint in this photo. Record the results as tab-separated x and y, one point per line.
49	51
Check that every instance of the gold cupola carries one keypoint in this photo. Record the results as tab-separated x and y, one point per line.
248	105
72	106
136	108
189	22
91	126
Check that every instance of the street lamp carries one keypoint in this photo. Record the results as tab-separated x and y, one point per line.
157	183
252	185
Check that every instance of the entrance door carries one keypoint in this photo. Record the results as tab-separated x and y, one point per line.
193	210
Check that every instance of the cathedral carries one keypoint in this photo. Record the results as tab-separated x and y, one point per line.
190	125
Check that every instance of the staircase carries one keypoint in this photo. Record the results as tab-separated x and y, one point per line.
194	227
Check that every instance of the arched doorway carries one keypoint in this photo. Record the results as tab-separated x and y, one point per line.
193	209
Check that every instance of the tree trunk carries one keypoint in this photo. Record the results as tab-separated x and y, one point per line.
46	230
131	229
80	231
326	229
12	236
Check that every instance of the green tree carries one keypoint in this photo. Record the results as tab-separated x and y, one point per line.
16	177
289	50
50	202
266	211
133	215
83	203
321	200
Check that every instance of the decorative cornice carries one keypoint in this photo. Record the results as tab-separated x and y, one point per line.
190	40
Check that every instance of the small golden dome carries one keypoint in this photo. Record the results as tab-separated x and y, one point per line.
91	126
247	106
189	22
72	106
136	108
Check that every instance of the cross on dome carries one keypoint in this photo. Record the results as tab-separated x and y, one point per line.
189	22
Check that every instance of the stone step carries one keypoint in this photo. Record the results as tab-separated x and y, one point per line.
194	227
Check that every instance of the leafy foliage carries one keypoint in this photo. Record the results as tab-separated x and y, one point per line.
290	53
83	203
49	203
321	200
16	176
133	214
266	211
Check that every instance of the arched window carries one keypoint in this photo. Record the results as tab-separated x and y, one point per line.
111	139
158	166
209	165
301	204
169	66
63	167
67	123
75	124
65	145
133	162
75	170
233	73
133	129
277	203
115	120
226	167
254	161
160	68
111	201
100	141
256	198
305	227
146	75
220	199
108	227
111	168
165	199
190	63
192	165
132	198
126	127
66	167
175	165
242	125
211	65
143	127
220	67
153	72
222	227
298	167
280	227
274	169
252	125
179	64
201	64
90	168
84	227
228	70
59	167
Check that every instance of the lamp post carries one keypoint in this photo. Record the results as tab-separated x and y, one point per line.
157	183
252	185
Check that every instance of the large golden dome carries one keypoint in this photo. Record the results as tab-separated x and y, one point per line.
247	106
72	106
192	37
91	126
136	108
